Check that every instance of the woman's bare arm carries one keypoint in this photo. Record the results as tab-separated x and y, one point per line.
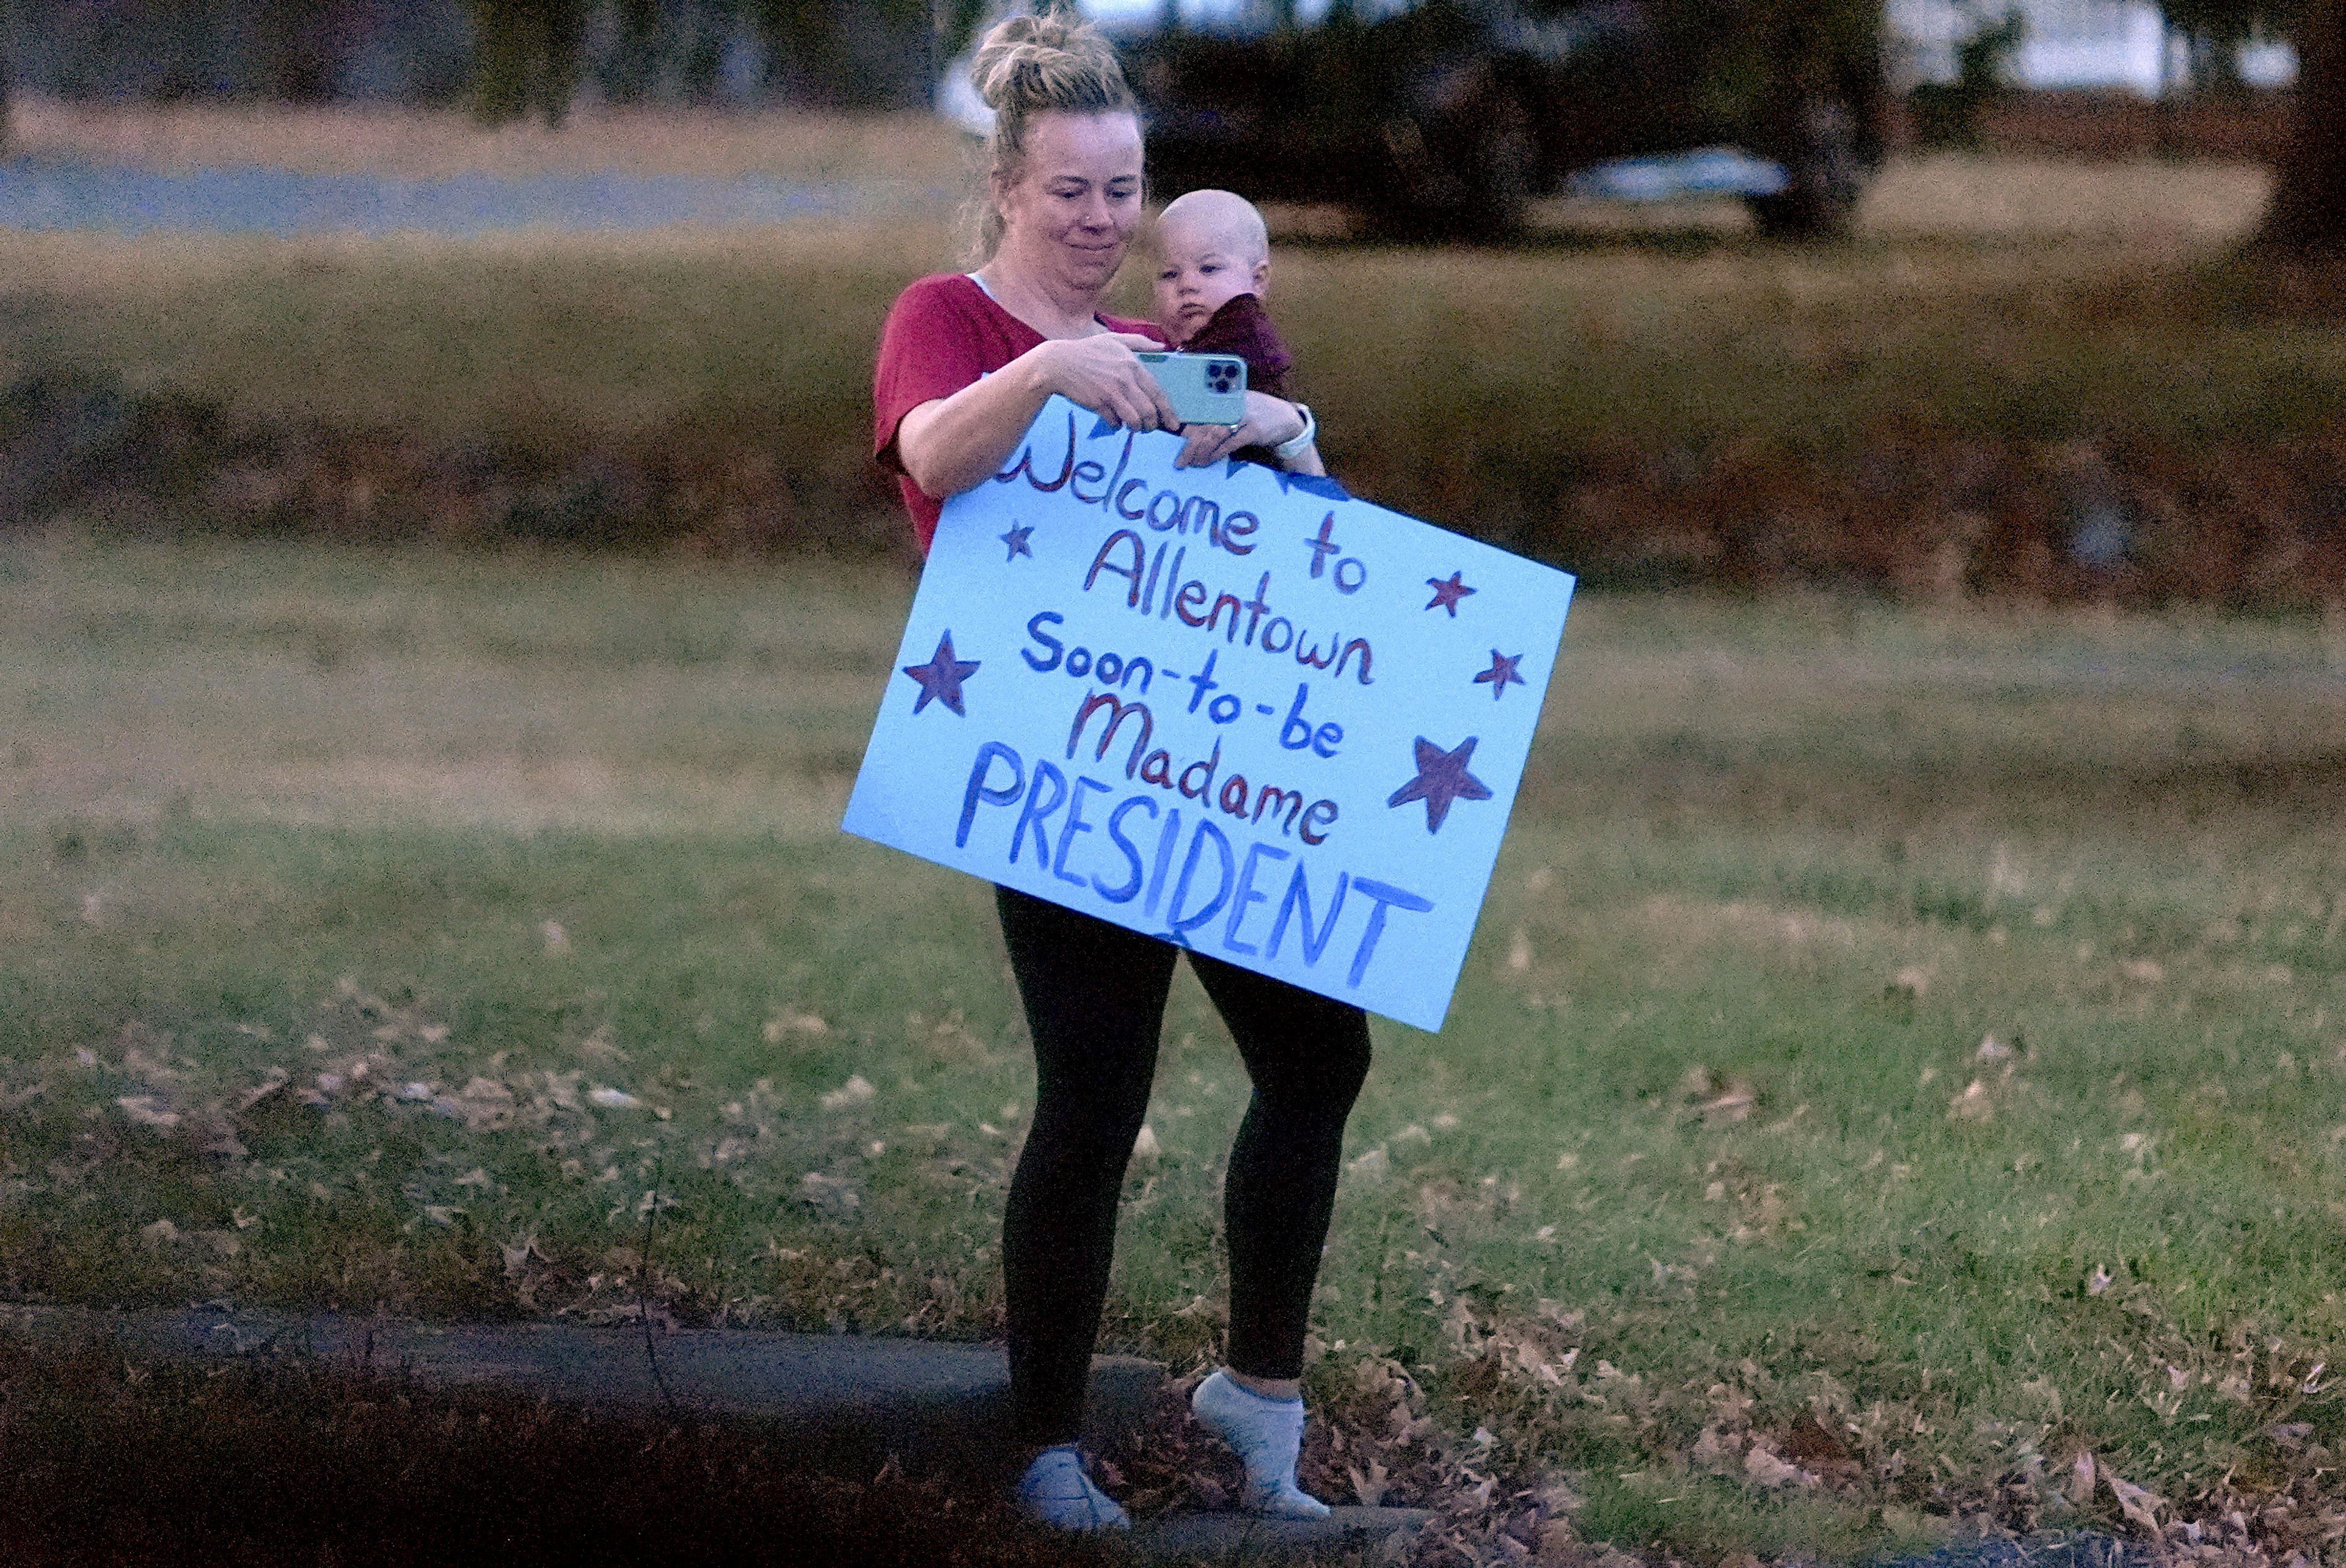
950	444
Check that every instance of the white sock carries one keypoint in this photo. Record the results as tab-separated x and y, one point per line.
1055	1492
1268	1436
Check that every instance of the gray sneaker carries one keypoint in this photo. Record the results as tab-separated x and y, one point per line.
1268	1436
1056	1492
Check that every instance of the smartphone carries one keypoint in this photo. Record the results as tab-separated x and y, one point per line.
1204	388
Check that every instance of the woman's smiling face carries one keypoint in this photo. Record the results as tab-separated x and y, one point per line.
1070	216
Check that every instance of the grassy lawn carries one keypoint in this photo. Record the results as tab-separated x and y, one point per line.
1984	301
1904	1050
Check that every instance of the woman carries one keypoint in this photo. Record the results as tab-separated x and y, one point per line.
967	361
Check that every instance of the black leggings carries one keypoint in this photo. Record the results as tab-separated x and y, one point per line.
1094	996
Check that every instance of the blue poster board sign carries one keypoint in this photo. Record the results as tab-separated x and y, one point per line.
1232	709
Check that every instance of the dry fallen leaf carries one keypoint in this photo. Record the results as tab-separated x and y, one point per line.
1731	1104
833	1195
2081	1480
1370	1489
2139	1505
516	1254
149	1111
484	1103
1973	1104
1716	1451
1770	1471
855	1091
277	1078
602	1046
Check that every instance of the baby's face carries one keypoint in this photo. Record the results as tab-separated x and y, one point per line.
1197	274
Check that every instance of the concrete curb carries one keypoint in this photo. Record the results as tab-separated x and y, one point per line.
847	1403
844	1405
1235	1538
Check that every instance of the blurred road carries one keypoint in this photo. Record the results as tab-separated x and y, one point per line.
48	194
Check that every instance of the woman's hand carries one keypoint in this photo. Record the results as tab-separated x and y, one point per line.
1269	421
949	443
1100	373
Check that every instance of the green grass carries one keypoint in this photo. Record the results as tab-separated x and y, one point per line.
1702	1137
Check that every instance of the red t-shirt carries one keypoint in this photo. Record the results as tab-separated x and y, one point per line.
944	333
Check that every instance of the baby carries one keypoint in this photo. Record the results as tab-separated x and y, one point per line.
1213	265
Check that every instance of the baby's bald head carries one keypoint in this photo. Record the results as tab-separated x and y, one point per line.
1219	217
1211	247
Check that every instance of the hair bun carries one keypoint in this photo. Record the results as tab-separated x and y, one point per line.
1033	62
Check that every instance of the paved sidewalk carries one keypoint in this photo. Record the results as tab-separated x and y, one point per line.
843	1404
54	194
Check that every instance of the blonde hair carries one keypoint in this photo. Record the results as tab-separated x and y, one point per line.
1053	63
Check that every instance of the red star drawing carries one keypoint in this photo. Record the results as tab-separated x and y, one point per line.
1447	594
941	677
1501	675
1441	778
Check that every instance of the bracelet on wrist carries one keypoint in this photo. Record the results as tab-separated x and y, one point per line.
1300	442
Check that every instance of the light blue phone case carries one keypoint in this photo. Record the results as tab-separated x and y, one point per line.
1204	388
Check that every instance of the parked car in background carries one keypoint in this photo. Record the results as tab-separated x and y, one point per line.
1447	116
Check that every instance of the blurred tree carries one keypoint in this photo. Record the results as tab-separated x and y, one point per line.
529	54
635	61
706	26
5	24
2309	203
803	48
292	40
956	24
652	38
526	58
1946	114
2214	31
810	53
